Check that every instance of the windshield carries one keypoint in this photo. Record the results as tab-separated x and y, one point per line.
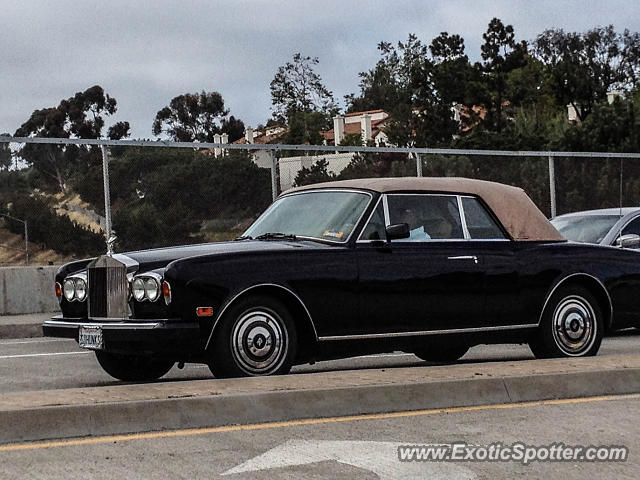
585	228
325	215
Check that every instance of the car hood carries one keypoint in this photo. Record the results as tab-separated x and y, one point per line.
146	260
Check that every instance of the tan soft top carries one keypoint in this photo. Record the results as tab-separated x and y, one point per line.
515	210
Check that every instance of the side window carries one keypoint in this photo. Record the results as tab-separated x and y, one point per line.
479	222
632	227
430	217
375	229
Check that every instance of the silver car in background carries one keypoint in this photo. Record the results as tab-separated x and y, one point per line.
618	227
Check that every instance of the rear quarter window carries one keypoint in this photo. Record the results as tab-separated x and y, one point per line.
480	223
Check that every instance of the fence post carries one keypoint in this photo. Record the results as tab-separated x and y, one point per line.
26	243
552	185
107	197
274	175
418	164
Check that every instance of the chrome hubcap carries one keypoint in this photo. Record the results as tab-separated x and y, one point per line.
259	342
574	325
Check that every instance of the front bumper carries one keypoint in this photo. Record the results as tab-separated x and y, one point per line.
141	337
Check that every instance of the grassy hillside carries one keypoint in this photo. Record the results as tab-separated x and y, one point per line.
14	256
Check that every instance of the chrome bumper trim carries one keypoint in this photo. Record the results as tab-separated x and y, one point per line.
105	325
427	332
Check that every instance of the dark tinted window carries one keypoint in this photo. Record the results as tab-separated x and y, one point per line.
479	223
632	227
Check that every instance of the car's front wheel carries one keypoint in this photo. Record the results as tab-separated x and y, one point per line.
133	368
256	336
572	325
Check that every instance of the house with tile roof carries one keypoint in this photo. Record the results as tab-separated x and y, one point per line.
369	125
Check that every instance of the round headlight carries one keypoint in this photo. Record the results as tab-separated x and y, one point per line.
138	289
152	289
81	289
69	289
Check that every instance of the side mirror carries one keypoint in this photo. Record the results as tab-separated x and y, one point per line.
630	240
398	231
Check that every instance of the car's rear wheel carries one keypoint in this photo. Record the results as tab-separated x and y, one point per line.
133	368
442	353
572	325
256	336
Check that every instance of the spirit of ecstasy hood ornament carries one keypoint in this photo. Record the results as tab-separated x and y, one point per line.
110	241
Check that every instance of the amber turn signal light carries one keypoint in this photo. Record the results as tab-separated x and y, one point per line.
58	290
204	311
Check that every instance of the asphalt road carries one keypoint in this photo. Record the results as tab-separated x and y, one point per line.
348	449
46	364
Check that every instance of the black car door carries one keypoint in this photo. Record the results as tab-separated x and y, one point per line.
433	280
502	282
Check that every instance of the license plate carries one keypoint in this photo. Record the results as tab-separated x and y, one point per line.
90	337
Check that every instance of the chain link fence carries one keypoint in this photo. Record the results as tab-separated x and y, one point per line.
164	193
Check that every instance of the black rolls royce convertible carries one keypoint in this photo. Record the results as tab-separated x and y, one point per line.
431	266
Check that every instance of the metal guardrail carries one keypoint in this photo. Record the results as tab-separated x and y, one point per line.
314	148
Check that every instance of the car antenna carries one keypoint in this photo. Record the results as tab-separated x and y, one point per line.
620	199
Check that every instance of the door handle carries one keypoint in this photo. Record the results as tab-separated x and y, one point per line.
465	257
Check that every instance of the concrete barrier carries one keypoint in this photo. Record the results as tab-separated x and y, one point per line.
27	290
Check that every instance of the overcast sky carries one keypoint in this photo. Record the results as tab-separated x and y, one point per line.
144	53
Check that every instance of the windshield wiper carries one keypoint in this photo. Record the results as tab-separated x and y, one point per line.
276	236
244	237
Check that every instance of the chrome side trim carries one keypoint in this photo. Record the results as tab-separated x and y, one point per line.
230	302
581	274
464	257
463	219
385	205
425	332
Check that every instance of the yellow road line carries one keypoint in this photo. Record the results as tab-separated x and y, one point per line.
294	423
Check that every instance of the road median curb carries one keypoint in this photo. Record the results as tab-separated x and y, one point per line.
213	403
22	326
21	330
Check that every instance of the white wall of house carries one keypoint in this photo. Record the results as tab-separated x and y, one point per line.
375	116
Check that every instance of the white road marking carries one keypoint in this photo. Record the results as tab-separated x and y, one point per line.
380	458
4	357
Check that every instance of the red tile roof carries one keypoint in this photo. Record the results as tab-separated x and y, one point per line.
354	114
262	139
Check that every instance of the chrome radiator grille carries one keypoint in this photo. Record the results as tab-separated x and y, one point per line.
108	288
